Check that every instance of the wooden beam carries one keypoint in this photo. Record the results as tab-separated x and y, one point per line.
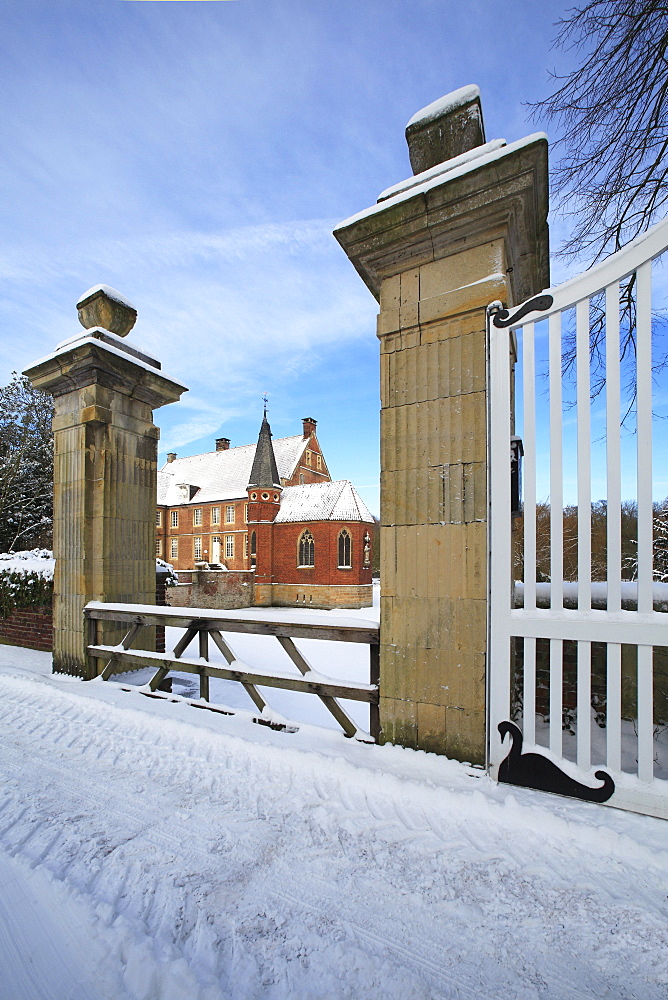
184	641
331	704
335	689
367	633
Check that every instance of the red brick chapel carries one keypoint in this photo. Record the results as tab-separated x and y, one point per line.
273	509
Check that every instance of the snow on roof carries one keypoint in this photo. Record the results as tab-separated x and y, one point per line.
460	171
442	168
456	99
337	501
223	475
111	292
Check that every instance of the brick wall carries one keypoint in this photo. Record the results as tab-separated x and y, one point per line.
28	627
214	589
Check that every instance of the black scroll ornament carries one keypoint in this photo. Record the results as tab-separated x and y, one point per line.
532	770
539	303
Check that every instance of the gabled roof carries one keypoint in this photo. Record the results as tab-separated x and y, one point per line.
223	475
338	501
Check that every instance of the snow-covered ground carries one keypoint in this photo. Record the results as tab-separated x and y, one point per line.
153	851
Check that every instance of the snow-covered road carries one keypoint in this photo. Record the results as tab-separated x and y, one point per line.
155	852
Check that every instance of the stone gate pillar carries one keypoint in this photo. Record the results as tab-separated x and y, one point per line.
105	464
469	228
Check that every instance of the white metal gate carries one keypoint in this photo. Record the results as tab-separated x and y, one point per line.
578	664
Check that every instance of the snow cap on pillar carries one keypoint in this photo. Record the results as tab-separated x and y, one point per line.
102	306
445	128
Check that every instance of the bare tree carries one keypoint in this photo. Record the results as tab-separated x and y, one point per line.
612	175
612	111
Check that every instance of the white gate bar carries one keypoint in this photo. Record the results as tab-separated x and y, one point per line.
500	540
529	689
584	455
556	466
645	701
529	471
613	707
645	247
596	626
556	694
613	450
584	705
644	433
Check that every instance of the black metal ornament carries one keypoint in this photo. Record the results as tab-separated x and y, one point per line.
532	770
539	303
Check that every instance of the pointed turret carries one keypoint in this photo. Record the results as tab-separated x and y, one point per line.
264	471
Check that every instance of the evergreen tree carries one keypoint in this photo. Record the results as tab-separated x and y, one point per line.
26	466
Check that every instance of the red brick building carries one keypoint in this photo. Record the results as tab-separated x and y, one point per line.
271	508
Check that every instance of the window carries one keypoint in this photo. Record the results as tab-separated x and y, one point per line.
229	546
198	548
318	462
306	549
367	549
245	546
229	514
174	548
158	518
215	515
158	548
345	543
302	478
175	519
308	458
197	515
246	513
253	550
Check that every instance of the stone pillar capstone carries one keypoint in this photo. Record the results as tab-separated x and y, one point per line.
105	465
436	249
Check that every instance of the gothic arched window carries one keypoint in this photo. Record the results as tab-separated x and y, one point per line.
345	550
306	549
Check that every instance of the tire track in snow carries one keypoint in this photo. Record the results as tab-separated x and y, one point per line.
90	771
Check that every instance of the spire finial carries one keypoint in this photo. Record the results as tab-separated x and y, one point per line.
266	400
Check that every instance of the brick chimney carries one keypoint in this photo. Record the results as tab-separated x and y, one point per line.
222	444
171	455
309	427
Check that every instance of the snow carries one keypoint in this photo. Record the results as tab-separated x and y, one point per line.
28	561
467	167
120	351
599	593
150	851
444	105
330	501
99	332
442	168
108	290
224	475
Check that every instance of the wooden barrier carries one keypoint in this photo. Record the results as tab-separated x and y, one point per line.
205	625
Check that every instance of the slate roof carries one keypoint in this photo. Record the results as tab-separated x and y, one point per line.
337	501
223	475
264	471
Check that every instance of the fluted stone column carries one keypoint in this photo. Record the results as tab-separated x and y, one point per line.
105	465
435	251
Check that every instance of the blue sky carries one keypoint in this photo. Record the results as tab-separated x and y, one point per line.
197	155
